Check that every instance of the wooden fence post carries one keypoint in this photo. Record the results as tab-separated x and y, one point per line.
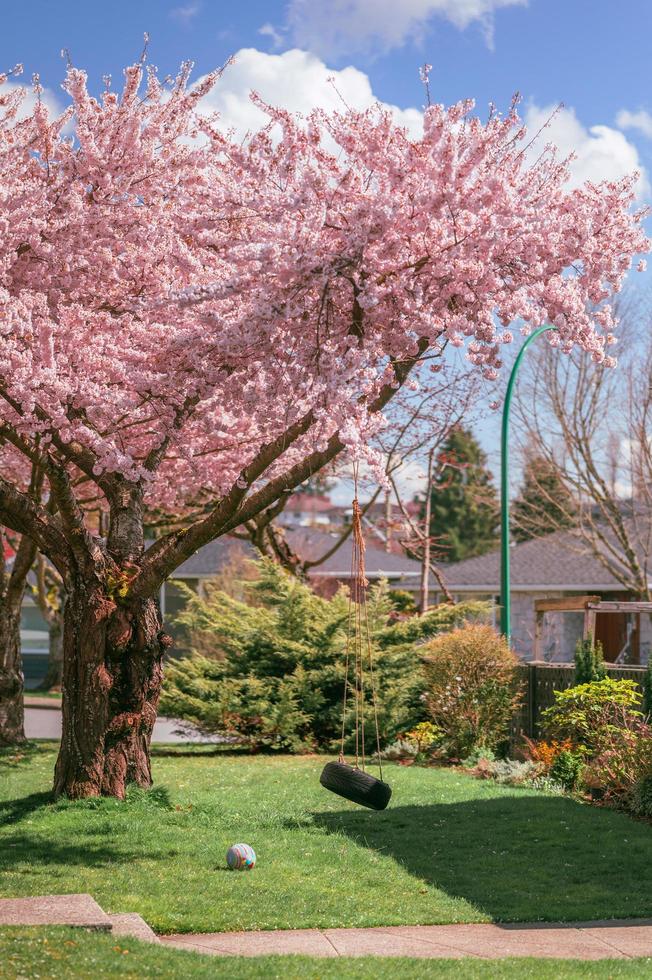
532	700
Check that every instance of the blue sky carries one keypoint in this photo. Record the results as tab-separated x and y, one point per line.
592	55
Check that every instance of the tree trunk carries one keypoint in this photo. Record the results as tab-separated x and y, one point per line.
112	670
12	712
12	589
54	674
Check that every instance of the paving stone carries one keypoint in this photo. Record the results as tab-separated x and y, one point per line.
308	942
491	941
132	924
381	942
54	910
630	939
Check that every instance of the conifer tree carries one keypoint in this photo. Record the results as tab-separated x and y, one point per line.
465	513
589	661
544	503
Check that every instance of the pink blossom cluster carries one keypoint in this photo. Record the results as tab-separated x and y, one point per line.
173	301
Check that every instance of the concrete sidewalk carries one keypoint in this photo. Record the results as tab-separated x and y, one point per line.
609	939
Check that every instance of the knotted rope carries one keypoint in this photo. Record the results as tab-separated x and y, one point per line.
358	642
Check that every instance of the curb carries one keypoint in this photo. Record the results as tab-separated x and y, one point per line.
47	704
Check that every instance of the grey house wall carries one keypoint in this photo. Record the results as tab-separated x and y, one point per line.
561	630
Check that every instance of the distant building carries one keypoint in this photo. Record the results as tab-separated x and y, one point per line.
308	510
311	544
555	566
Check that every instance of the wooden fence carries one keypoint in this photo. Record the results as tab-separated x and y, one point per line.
541	680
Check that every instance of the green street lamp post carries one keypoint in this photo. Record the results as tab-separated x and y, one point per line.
505	583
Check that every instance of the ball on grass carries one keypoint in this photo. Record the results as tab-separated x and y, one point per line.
241	857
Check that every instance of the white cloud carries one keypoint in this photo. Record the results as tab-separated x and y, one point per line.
48	98
339	27
602	153
641	120
295	80
185	13
276	37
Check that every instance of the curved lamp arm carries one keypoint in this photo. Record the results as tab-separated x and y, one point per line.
505	580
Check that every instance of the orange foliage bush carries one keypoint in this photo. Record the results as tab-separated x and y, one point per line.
546	752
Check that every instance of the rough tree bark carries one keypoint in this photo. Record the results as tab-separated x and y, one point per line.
12	715
111	687
113	646
12	588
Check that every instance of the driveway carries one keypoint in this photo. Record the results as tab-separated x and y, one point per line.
46	723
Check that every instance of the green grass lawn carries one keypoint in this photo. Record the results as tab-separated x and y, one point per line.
449	848
57	954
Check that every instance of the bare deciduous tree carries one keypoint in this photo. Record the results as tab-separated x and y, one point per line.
591	426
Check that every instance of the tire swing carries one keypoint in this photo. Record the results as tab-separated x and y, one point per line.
353	782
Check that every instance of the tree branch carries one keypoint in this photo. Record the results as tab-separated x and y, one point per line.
235	509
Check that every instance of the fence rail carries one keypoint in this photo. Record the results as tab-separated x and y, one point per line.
541	680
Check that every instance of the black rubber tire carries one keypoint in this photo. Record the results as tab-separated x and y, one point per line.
355	785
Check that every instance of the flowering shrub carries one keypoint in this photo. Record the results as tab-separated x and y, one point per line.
612	736
545	753
471	687
594	714
624	762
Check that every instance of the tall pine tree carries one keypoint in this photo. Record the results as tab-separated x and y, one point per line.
465	515
544	503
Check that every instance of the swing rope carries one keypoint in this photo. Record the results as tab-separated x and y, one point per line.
358	643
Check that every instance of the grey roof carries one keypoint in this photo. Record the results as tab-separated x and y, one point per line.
557	561
308	543
311	543
213	557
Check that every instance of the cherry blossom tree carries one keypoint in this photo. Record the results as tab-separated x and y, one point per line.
196	324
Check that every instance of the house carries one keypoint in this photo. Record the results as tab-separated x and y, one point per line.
224	556
310	543
555	566
311	510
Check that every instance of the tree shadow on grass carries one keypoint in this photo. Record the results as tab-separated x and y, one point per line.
15	756
516	858
35	853
12	811
49	845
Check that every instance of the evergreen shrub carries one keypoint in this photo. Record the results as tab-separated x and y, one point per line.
271	670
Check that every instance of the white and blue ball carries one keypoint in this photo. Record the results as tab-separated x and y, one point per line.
241	857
